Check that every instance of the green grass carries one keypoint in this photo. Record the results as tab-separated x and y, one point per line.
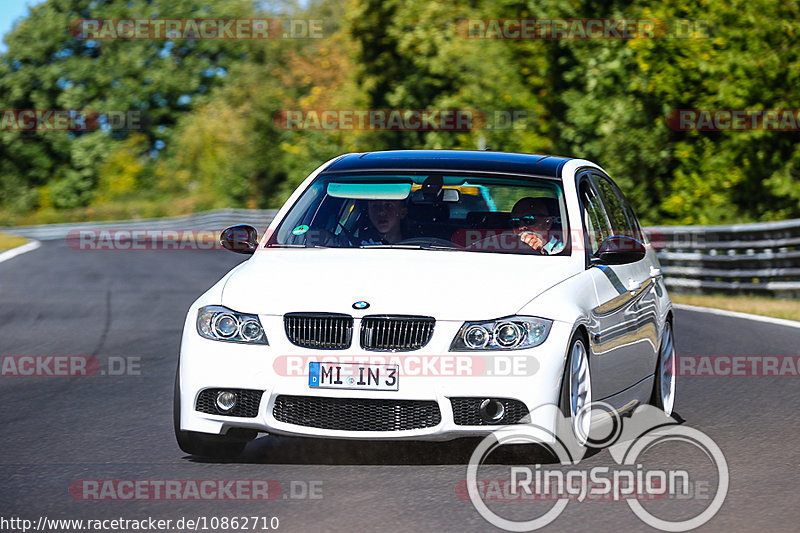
133	208
755	305
8	241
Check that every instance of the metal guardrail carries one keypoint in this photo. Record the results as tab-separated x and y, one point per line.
216	220
763	257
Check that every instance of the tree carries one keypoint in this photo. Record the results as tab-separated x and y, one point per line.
47	67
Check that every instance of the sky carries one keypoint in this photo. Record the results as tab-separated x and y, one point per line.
10	11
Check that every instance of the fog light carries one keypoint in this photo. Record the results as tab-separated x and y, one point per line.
225	401
492	411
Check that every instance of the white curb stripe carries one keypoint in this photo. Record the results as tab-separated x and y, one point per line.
736	314
19	250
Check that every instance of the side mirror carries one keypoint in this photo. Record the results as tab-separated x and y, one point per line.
241	239
619	250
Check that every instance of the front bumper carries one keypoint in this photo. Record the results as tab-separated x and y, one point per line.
432	377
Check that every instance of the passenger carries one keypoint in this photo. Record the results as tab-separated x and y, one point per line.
532	221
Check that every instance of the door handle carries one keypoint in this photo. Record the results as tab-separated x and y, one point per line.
633	287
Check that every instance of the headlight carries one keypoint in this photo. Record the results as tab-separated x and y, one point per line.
221	324
510	333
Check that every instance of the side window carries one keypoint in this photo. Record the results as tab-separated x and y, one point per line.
594	218
620	213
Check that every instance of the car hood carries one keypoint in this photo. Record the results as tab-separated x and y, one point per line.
448	285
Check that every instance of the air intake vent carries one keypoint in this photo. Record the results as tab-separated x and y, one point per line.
466	412
396	333
351	414
324	331
247	402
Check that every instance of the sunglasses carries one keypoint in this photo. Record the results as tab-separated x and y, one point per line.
528	220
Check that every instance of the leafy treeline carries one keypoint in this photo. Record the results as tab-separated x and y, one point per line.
211	139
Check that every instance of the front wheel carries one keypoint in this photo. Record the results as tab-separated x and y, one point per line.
576	391
204	444
663	395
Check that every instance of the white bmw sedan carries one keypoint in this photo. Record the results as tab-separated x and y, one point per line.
428	295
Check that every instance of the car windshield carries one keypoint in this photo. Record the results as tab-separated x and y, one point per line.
524	215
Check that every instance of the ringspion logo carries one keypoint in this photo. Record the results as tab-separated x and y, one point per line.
548	490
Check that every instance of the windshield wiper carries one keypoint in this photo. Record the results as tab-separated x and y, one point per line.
402	246
411	246
301	246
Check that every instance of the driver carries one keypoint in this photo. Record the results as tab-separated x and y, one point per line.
386	217
532	220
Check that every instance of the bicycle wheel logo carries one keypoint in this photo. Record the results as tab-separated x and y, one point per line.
627	442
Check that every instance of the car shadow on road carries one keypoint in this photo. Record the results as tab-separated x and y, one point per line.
273	449
314	451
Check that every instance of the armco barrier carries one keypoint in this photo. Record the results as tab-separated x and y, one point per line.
760	258
209	220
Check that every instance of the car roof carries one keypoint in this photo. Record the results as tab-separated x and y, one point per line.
458	160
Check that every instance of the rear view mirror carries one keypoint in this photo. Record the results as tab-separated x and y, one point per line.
619	250
450	195
241	239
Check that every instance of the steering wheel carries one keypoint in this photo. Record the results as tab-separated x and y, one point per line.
350	234
493	244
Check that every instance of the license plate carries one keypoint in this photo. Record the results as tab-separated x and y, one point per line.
353	376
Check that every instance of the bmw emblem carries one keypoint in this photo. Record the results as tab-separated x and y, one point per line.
360	305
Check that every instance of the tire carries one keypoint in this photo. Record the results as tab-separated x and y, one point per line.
663	395
225	446
576	393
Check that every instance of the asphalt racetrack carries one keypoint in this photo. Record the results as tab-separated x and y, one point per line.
126	309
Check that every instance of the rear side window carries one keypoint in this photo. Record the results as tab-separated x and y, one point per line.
594	218
620	213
